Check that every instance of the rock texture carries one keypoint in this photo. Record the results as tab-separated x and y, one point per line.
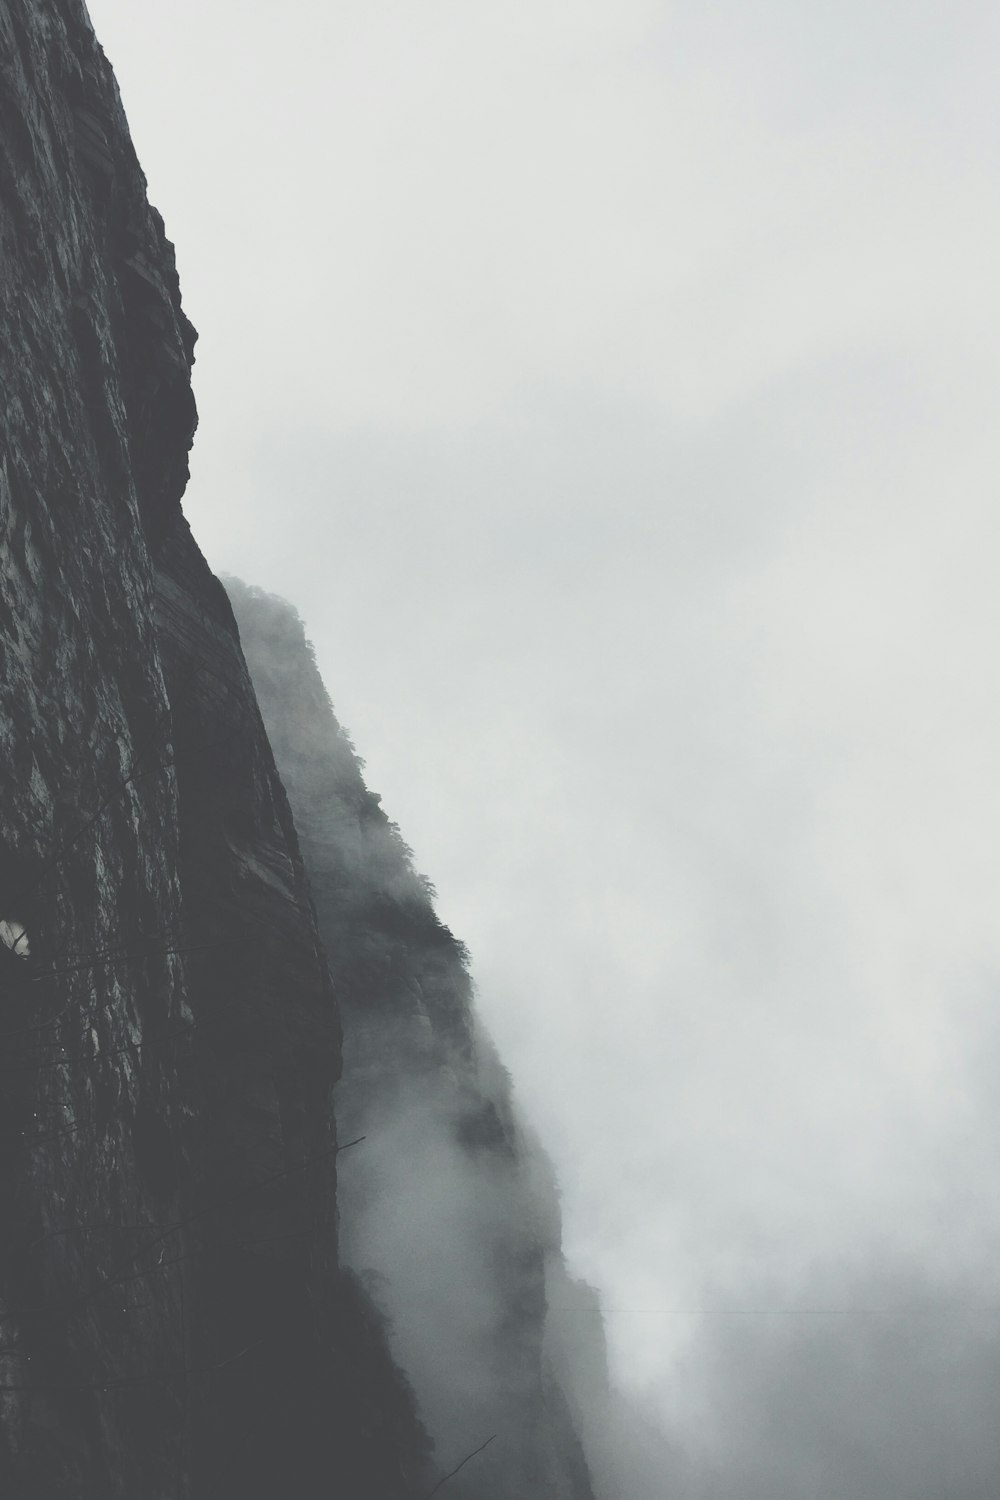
179	1317
174	1322
448	1200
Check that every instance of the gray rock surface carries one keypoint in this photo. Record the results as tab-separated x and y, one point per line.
449	1205
180	1318
174	1321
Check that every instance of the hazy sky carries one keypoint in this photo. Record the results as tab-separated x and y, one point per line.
613	386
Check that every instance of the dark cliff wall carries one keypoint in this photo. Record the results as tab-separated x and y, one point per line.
447	1201
174	1323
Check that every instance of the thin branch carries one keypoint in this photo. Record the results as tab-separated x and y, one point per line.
462	1465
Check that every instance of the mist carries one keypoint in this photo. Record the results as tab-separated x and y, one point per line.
448	1207
614	393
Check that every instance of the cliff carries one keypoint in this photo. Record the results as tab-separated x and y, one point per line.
181	1315
448	1205
174	1319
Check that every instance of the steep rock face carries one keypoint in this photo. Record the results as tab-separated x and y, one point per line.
314	1403
447	1202
174	1323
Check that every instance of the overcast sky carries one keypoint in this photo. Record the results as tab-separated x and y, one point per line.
613	386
